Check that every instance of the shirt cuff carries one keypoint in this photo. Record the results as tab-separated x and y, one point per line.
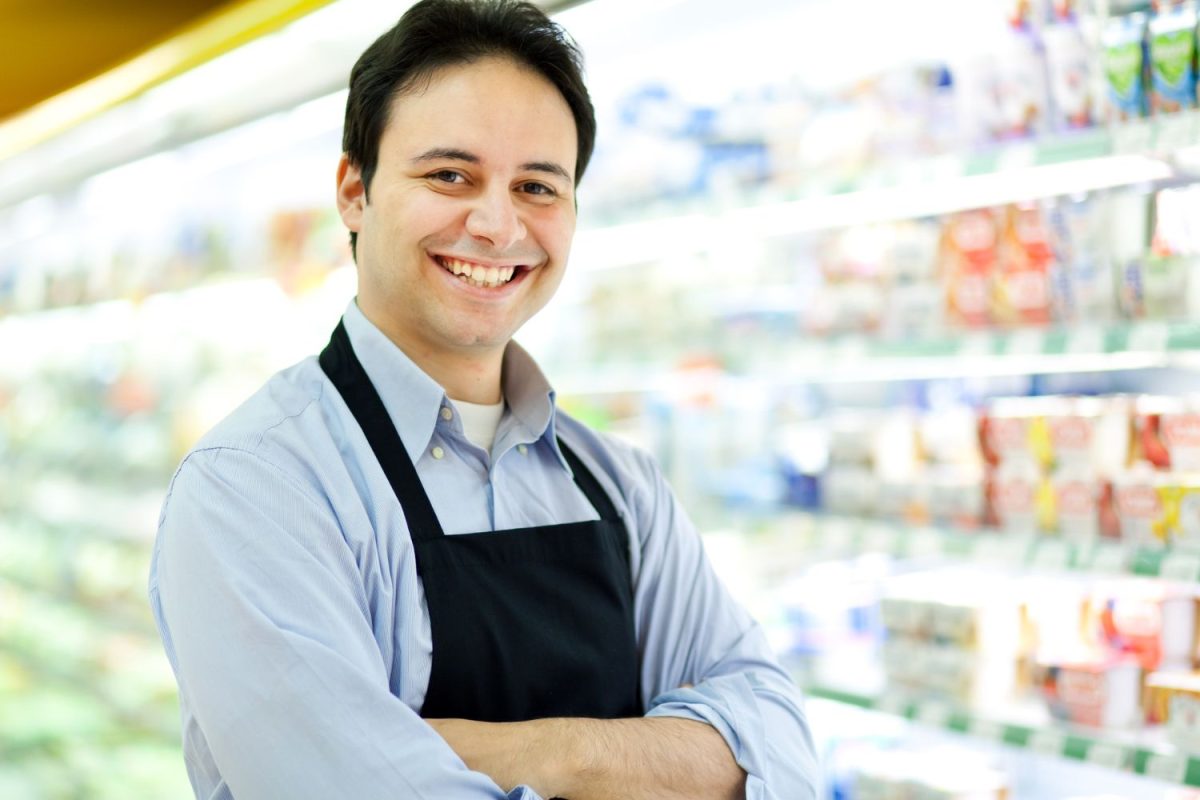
718	702
523	793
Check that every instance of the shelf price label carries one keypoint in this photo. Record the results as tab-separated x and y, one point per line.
925	543
1052	555
1181	567
1107	754
1026	342
1086	340
1174	132
1048	742
934	715
1110	559
1133	137
976	345
1167	767
892	704
1148	337
879	538
986	729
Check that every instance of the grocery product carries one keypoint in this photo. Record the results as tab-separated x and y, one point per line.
1020	288
1097	691
1068	61
1018	85
1172	48
967	260
1124	60
1173	700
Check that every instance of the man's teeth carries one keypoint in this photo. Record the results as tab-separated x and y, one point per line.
478	275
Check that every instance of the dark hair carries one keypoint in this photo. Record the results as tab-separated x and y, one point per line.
439	33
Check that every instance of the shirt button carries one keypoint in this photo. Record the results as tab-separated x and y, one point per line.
522	449
447	414
438	452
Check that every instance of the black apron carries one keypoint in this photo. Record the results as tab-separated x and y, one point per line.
526	623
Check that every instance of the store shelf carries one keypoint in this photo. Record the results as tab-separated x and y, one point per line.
1138	152
853	535
861	358
1130	752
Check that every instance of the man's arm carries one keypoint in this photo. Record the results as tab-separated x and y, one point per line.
595	759
261	604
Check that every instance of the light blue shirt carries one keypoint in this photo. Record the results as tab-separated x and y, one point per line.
284	587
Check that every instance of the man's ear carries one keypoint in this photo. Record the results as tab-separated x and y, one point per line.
351	194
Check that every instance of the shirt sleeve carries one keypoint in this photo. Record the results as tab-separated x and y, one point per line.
263	613
695	633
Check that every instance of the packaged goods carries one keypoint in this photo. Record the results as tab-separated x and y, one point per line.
1015	427
1021	288
1172	47
1018	85
1068	63
1167	433
1127	236
1139	494
1173	700
1124	61
1082	283
1151	621
1096	690
1181	502
1078	494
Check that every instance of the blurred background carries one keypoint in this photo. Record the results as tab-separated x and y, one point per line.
905	298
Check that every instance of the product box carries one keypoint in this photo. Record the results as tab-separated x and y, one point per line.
1140	495
1019	85
1018	496
967	258
1099	691
1082	281
1021	288
1124	58
1172	47
1068	62
1173	700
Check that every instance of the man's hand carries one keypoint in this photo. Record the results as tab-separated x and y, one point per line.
594	759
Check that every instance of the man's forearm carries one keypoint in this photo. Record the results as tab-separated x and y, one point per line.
657	758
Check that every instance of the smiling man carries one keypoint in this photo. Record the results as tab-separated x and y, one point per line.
398	571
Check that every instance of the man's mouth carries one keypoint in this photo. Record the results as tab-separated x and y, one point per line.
476	274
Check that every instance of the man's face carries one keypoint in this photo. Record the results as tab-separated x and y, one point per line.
471	209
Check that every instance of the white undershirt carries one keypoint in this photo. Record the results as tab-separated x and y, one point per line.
480	422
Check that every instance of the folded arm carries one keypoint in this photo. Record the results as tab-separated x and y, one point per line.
262	607
595	759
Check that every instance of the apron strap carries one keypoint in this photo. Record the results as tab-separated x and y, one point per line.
346	371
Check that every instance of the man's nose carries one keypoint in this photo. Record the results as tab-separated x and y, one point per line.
494	217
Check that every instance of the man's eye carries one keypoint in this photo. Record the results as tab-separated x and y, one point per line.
538	188
447	176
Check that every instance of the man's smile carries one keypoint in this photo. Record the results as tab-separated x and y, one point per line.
478	275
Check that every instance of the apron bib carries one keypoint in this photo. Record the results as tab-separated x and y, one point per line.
526	623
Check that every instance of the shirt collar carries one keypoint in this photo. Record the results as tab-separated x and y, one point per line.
531	401
413	400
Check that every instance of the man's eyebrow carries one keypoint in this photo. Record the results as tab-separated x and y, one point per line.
440	153
547	166
454	154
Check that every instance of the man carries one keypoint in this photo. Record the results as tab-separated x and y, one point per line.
398	571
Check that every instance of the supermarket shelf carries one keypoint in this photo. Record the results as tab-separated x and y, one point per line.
860	358
1138	152
850	535
1129	753
112	617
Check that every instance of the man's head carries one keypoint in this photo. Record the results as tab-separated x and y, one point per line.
439	33
468	128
